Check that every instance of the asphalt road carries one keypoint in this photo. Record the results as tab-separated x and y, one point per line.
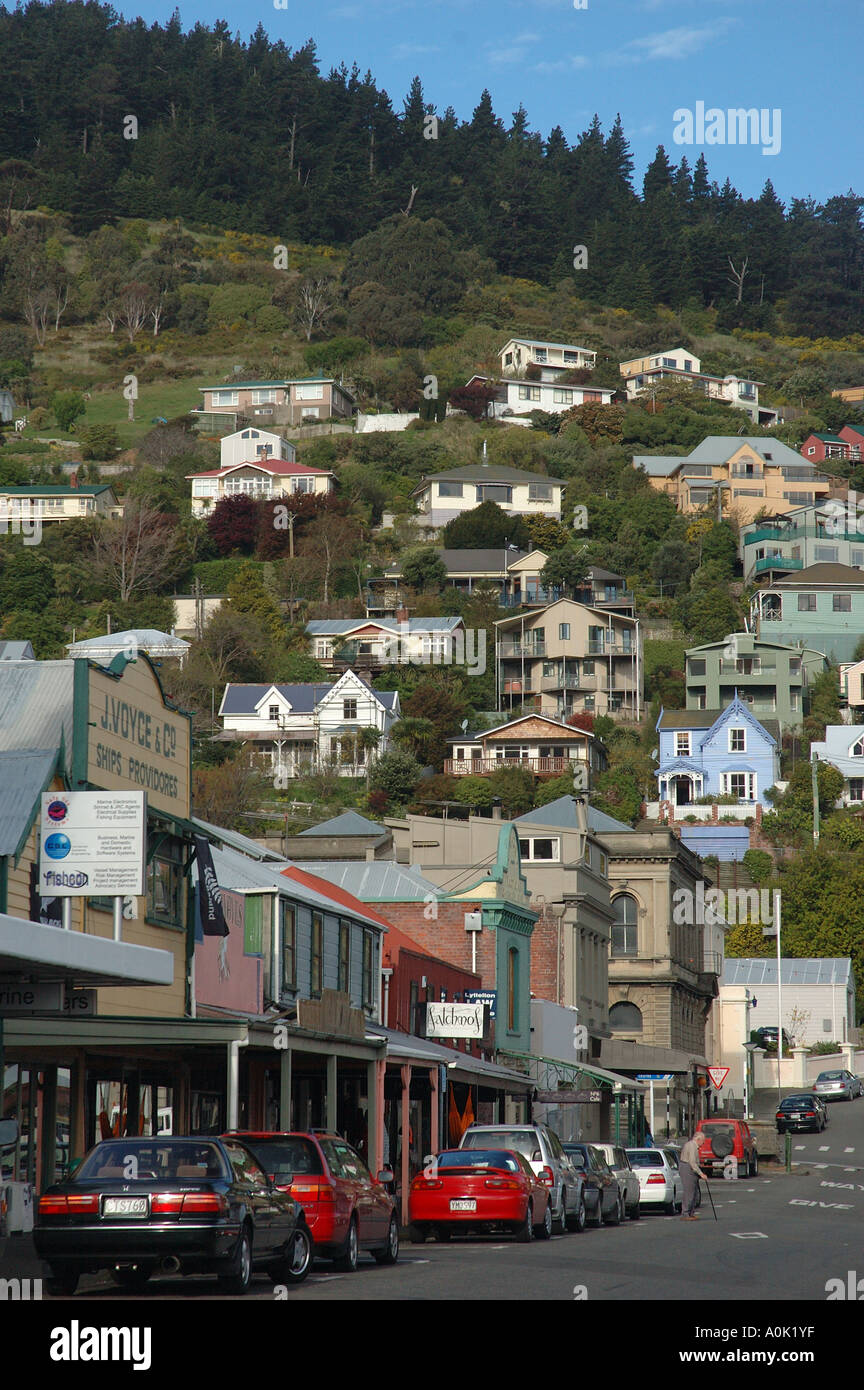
777	1237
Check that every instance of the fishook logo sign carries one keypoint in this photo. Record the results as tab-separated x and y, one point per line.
100	848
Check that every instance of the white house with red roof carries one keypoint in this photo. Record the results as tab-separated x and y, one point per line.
259	464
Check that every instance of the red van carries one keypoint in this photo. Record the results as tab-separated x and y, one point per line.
720	1138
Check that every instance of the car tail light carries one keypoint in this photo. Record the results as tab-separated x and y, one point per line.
809	1114
656	1177
510	1184
426	1184
83	1201
166	1203
204	1204
312	1192
779	1116
546	1176
53	1205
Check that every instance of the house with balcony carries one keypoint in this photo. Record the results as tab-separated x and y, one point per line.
751	474
287	401
296	729
260	464
536	743
774	547
843	748
725	752
38	503
771	679
846	444
443	496
567	658
820	606
677	364
371	644
852	685
515	397
552	359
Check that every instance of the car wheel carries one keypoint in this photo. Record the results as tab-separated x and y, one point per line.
668	1208
614	1217
347	1261
417	1232
577	1223
238	1280
62	1283
544	1230
755	1170
390	1254
443	1233
597	1218
635	1211
133	1277
525	1232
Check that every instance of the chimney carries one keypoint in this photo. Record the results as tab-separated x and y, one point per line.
402	615
496	808
73	479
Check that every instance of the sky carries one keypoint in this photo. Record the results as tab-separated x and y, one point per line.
646	59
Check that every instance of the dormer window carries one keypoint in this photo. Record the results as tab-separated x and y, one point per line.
274	712
857	749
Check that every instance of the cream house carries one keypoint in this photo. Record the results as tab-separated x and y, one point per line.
24	506
443	496
519	396
551	358
567	658
533	742
264	479
752	474
643	373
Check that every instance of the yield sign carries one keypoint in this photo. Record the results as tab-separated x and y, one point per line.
718	1076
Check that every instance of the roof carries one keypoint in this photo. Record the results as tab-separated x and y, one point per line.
325	627
334	893
707	718
489	473
279	467
381	881
748	970
56	490
563	814
349	823
243	699
540	342
283	381
147	639
234	871
658	465
36	705
24	776
235	840
558	727
16	651
822	573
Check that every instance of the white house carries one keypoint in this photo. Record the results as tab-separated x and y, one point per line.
517	396
372	643
852	685
551	358
818	995
443	496
252	445
263	478
296	729
643	373
843	747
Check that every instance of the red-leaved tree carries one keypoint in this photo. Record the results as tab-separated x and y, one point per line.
233	524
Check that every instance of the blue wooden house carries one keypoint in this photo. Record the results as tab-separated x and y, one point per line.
724	752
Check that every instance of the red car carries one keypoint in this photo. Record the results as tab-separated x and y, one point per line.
720	1139
346	1209
478	1189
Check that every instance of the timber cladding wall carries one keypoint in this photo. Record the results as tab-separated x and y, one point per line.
134	741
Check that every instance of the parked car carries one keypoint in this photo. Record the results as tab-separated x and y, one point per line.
345	1208
628	1183
542	1148
724	1137
603	1200
469	1189
837	1085
659	1179
187	1206
767	1037
800	1112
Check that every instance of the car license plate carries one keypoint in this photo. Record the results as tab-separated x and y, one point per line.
125	1206
463	1205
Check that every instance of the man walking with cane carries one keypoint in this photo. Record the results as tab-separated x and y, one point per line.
688	1166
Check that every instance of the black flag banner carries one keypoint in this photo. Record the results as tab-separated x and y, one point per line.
209	893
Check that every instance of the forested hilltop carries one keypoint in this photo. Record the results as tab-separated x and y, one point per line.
253	137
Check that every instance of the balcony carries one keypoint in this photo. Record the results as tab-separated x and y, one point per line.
519	687
603	648
508	650
477	767
562	682
737	668
778	562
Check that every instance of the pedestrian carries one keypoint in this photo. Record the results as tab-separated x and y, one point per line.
688	1167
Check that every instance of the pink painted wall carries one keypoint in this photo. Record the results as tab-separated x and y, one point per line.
224	974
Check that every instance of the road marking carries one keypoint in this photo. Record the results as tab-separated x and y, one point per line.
850	1170
748	1235
825	1148
324	1278
848	1151
799	1147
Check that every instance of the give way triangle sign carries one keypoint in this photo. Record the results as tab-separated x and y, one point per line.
718	1075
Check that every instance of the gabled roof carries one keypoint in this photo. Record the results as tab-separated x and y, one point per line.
146	639
337	627
539	342
708	721
383	880
563	815
56	490
24	776
349	823
336	895
822	573
488	473
538	613
557	727
303	699
278	467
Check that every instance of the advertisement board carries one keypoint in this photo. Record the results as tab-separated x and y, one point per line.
92	844
454	1020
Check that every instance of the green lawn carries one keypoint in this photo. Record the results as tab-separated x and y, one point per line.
165	399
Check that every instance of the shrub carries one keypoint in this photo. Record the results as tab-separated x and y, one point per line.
98	442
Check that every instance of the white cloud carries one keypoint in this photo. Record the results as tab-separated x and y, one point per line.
675	43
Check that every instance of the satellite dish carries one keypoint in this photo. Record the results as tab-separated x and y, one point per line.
464	725
655	754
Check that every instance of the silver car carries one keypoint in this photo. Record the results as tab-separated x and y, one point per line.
542	1148
628	1182
837	1085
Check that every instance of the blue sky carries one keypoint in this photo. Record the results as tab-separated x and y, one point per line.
644	58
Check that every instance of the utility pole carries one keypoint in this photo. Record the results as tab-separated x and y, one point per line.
814	781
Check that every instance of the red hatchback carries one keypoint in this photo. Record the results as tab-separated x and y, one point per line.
478	1189
346	1209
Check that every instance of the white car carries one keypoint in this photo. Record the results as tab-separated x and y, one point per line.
628	1181
659	1179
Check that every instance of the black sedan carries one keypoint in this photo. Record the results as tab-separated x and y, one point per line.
603	1201
187	1206
801	1112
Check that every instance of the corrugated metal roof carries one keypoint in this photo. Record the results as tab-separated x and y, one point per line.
383	880
239	842
243	699
24	776
325	627
749	970
562	813
36	705
145	639
348	823
235	872
489	473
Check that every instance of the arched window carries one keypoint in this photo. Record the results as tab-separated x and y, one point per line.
625	1018
625	932
512	989
857	749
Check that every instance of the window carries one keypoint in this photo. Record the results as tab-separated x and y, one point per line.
540	355
165	882
495	492
349	709
682	744
856	788
512	989
806	603
625	1018
738	785
827	554
508	359
856	559
449	489
309	393
564	632
697	667
529	393
625	933
302	484
539	492
540	849
571	359
273	712
811	450
560	396
344	956
857	749
587	668
737	740
841	603
317	955
263	397
368	953
225	397
288	937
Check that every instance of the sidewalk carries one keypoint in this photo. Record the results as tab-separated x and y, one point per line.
18	1258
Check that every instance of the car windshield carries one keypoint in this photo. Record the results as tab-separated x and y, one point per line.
830	1076
151	1158
479	1158
286	1157
645	1158
524	1141
577	1157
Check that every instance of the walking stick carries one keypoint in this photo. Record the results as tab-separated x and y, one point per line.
710	1198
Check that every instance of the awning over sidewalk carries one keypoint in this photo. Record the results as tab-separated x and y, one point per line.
461	1066
32	952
